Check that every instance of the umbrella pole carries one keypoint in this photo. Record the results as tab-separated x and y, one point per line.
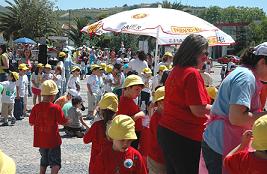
156	53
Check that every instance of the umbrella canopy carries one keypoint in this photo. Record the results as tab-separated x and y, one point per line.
169	26
24	40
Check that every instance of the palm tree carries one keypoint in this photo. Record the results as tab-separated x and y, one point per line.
9	23
27	18
75	33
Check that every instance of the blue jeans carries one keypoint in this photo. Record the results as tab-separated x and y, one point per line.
213	160
3	77
18	108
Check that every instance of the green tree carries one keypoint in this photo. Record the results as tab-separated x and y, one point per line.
258	32
75	33
28	18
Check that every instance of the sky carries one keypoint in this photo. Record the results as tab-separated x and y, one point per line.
76	4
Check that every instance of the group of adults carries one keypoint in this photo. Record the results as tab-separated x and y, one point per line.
190	124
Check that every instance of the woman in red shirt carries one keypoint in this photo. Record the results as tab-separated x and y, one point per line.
186	104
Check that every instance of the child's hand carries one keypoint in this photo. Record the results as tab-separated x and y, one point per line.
246	138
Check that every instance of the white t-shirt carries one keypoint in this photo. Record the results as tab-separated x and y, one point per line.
148	84
22	84
156	82
138	65
47	76
61	64
72	83
107	84
95	83
59	81
9	92
37	79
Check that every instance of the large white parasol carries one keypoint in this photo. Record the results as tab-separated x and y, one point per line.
168	26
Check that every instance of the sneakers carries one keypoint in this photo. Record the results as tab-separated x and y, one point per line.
5	124
13	120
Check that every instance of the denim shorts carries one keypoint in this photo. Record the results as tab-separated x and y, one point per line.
50	157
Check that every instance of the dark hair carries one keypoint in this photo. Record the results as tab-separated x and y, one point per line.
141	55
76	100
117	66
190	49
132	72
13	78
107	116
250	59
164	77
3	47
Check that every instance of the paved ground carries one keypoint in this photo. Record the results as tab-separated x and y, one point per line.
16	141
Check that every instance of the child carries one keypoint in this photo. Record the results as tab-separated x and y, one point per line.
132	88
47	72
61	101
94	90
108	79
58	80
21	90
155	160
8	97
74	81
37	78
146	91
7	164
120	158
74	128
97	133
156	80
45	117
241	160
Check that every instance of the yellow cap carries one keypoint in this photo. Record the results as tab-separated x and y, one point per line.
103	65
48	66
168	54
159	94
7	164
163	68
109	101
23	66
259	130
75	68
147	71
49	87
15	75
122	128
212	92
109	68
132	80
62	55
94	66
40	65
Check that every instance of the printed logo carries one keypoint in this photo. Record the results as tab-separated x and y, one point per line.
184	30
128	163
140	16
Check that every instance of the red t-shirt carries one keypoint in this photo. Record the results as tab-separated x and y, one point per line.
97	136
128	107
155	151
113	162
184	87
246	163
45	118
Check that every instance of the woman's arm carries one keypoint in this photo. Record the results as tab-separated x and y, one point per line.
200	110
240	116
5	61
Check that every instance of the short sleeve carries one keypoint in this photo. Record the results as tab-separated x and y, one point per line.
60	116
242	90
195	92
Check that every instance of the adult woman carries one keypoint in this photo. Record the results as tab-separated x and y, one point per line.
4	63
27	60
139	63
235	108
185	107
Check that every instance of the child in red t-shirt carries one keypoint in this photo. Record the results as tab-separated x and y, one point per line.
132	86
241	160
120	157
155	159
45	117
97	133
